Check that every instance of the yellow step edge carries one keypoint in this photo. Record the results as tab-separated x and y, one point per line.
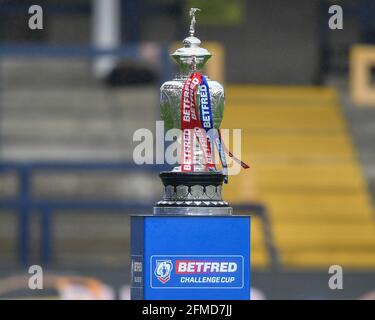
304	92
322	259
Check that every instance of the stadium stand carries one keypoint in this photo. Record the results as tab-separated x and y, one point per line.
62	114
305	170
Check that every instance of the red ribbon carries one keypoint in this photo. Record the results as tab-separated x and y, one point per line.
191	126
192	129
230	154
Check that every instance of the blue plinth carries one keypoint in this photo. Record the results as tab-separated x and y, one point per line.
190	257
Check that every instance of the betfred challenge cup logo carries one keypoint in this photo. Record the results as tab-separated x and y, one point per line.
163	270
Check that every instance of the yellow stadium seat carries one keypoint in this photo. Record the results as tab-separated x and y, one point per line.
304	169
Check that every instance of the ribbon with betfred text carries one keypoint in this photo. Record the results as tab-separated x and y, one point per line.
202	128
214	135
191	126
206	118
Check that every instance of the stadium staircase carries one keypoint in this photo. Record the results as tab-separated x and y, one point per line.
54	110
304	168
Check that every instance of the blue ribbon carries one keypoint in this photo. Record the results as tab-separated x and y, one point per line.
206	118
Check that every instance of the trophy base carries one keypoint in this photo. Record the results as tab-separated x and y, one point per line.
192	193
190	257
193	211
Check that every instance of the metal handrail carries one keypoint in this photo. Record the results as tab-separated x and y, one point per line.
25	203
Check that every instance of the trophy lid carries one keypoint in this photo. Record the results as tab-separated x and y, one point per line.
191	52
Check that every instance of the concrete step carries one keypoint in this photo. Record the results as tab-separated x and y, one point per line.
68	185
57	100
70	98
50	72
105	185
8	184
74	123
55	152
77	238
67	127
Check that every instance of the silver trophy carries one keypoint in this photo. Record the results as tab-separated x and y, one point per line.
198	192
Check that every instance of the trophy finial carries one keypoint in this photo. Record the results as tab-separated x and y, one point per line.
191	48
193	20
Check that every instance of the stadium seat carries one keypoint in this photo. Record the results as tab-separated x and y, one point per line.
305	170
